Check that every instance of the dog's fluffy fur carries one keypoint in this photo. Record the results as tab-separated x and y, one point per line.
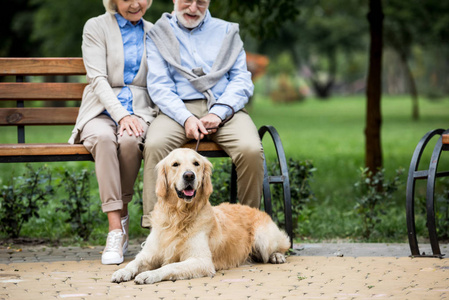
190	238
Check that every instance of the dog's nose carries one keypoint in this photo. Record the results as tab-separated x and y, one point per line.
189	176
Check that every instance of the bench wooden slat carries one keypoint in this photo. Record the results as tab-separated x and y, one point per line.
41	91
446	139
204	146
38	116
42	66
41	149
68	149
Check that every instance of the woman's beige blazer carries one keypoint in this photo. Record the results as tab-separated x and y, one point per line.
104	62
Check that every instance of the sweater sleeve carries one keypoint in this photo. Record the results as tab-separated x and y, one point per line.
94	56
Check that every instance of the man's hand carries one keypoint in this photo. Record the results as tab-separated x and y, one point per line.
194	128
211	121
132	126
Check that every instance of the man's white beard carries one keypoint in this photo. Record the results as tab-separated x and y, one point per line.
188	23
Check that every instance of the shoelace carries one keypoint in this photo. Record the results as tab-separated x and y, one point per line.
113	242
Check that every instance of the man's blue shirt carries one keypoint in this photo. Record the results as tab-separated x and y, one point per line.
198	48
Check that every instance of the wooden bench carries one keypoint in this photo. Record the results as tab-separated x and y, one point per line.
33	81
429	175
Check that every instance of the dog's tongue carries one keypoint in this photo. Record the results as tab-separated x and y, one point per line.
189	193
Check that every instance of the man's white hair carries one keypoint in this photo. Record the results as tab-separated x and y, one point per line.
111	6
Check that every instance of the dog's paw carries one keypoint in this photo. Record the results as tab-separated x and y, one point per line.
148	277
277	258
122	275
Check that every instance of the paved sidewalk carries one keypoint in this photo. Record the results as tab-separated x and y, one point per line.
318	271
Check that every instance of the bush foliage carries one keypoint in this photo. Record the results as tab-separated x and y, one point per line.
22	198
25	196
372	194
78	208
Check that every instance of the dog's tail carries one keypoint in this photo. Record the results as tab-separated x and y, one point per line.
269	239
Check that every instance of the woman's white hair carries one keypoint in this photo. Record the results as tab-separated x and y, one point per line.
111	7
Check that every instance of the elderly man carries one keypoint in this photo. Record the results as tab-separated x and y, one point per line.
198	77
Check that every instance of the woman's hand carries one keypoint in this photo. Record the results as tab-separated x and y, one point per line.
132	126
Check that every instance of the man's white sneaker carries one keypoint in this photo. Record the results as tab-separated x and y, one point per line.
113	253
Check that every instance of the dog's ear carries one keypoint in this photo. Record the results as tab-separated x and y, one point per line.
161	181
207	173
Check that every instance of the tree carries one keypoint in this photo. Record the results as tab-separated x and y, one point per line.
373	148
261	19
328	28
16	26
58	25
400	34
408	23
324	34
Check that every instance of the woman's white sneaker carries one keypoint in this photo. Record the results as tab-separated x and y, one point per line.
115	248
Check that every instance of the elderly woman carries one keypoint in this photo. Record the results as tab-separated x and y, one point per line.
116	110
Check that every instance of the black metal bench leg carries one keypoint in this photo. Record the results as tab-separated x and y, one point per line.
282	178
413	175
429	175
430	192
233	186
266	190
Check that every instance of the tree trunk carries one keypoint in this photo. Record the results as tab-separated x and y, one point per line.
412	86
373	148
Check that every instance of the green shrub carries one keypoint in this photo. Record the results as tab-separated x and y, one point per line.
442	212
22	198
221	182
77	206
300	176
372	195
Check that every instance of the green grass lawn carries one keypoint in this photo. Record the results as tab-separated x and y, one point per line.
330	134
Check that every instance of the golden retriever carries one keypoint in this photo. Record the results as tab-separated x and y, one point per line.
190	238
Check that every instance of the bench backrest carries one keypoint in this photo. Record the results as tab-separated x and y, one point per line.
38	70
41	86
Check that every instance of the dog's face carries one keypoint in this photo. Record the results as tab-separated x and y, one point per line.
185	175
